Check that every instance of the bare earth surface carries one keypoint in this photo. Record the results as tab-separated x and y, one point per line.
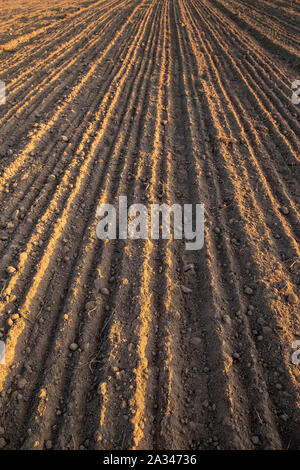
185	101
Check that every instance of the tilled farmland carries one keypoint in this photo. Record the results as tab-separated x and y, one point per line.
142	344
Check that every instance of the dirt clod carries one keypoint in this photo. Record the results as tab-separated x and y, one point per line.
10	269
255	440
186	290
22	383
285	210
113	342
2	443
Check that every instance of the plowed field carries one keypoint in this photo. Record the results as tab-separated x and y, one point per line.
166	101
